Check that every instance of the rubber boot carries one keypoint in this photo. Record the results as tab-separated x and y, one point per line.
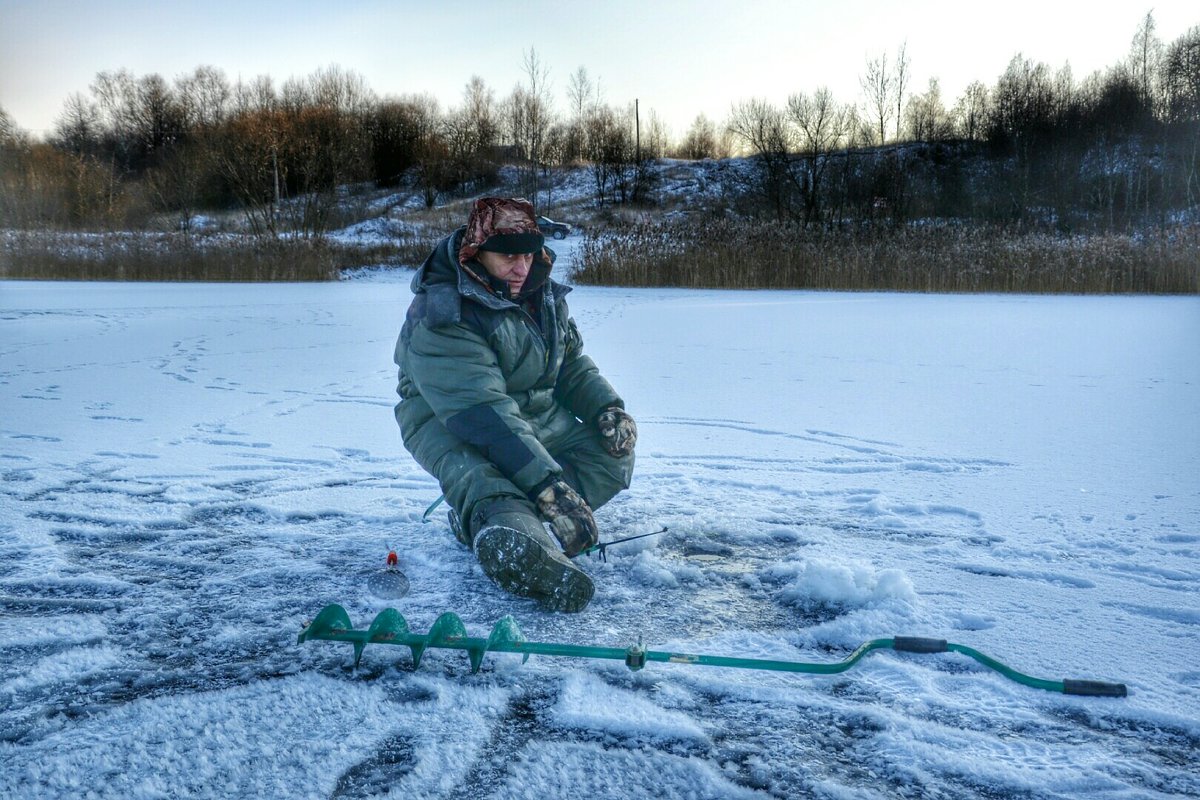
456	527
516	552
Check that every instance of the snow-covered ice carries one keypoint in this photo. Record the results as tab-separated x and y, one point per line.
188	473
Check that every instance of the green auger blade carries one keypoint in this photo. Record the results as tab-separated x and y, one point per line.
505	634
389	627
448	631
333	623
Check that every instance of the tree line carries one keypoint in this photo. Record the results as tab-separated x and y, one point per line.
1116	150
136	148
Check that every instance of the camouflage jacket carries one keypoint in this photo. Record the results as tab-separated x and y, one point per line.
479	369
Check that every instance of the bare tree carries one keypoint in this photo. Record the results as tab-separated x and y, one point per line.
877	87
580	89
1145	61
8	128
927	117
579	92
184	178
116	95
971	111
141	116
821	128
13	183
820	120
257	95
1022	103
247	157
1181	78
204	97
116	100
295	95
470	133
556	150
479	108
432	156
159	115
700	140
339	89
327	145
654	137
1181	83
528	117
901	83
411	140
610	151
763	130
760	127
77	129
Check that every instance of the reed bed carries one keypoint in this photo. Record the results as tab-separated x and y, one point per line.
42	255
751	254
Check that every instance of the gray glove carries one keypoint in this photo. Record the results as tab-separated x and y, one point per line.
569	516
619	431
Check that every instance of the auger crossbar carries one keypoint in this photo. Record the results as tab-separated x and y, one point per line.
389	627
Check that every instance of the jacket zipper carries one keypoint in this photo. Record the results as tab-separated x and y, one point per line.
546	343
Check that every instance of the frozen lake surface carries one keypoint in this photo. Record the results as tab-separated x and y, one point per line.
188	473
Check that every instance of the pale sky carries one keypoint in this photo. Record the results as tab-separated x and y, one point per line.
678	58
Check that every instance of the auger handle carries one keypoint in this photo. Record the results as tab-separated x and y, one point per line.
1094	688
918	644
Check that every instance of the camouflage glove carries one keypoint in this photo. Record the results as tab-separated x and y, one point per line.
619	431
569	516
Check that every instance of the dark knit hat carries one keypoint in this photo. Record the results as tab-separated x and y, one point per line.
501	225
514	242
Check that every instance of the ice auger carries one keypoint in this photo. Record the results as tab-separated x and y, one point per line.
448	631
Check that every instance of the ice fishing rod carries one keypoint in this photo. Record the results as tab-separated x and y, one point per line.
602	547
441	499
390	627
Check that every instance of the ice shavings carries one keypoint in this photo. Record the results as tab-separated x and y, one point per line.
650	570
809	583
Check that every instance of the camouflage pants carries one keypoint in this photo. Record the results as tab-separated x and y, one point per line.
470	482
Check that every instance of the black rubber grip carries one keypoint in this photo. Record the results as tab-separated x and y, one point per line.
1094	688
918	644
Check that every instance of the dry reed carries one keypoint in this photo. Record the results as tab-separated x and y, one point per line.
174	257
750	254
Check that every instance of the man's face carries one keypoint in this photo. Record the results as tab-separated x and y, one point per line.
512	268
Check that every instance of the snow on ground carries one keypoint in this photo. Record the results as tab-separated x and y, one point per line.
189	472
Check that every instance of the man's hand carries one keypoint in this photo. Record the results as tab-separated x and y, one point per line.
569	516
619	431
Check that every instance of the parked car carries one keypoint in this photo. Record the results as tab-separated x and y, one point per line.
559	230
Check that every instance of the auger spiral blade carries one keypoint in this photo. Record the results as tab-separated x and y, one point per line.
389	627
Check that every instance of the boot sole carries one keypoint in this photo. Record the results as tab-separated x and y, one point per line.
522	566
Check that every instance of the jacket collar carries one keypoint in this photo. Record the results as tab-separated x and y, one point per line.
442	267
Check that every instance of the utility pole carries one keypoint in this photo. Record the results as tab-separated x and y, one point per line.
275	210
637	131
